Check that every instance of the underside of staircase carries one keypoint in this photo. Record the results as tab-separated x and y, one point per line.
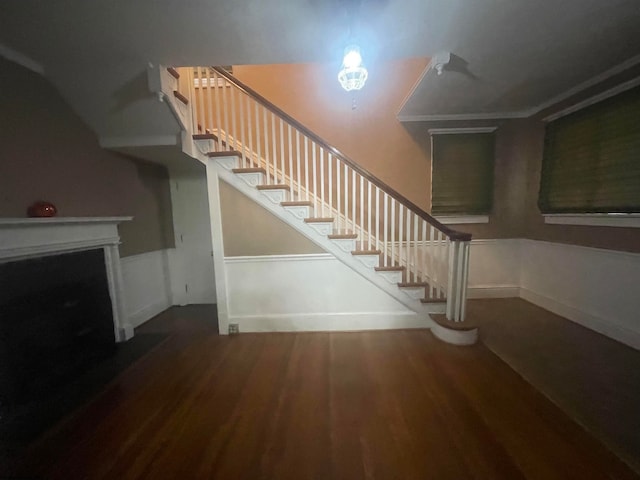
271	185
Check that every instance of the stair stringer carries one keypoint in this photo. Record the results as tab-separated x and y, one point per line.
328	245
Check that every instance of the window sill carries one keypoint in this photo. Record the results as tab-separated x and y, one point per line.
626	220
460	219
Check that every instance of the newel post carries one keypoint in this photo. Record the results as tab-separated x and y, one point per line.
458	277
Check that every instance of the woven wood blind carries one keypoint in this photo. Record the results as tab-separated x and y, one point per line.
591	161
462	181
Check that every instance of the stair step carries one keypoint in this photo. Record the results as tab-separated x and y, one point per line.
273	187
390	269
433	300
297	204
181	97
441	319
205	136
413	284
249	170
366	252
338	236
174	73
318	220
228	153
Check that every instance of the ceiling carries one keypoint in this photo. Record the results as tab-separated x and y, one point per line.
509	55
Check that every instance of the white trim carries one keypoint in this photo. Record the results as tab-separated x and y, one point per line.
415	85
493	291
138	141
21	59
330	322
593	322
463	116
279	258
460	219
627	220
633	256
623	87
25	222
601	77
457	131
527	112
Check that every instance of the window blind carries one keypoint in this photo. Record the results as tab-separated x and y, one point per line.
591	161
462	173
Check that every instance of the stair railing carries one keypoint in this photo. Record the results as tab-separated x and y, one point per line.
408	238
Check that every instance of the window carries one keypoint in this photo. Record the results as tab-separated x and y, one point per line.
462	171
591	161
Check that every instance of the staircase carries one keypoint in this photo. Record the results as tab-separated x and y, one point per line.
280	164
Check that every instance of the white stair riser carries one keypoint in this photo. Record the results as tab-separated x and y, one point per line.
205	146
371	261
253	179
275	196
345	244
323	228
392	277
299	211
414	292
228	163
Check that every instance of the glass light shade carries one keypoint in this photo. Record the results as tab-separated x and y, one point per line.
353	74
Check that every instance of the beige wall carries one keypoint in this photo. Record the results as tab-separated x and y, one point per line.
399	154
47	152
248	229
370	135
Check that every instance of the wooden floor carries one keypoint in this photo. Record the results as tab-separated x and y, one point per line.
375	405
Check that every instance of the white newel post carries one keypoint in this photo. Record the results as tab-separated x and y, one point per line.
458	278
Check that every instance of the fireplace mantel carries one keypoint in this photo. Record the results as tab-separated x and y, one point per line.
23	238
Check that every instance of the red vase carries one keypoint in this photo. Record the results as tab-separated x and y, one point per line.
42	209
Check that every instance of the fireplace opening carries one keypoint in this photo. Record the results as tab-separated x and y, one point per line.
56	322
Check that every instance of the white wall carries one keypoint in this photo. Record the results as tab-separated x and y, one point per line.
147	286
308	292
597	288
594	287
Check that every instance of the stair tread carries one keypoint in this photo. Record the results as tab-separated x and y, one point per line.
273	187
302	203
366	252
249	170
181	97
413	284
390	269
348	236
318	219
228	153
205	136
174	73
433	300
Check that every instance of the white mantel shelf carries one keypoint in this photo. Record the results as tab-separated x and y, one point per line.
60	220
27	238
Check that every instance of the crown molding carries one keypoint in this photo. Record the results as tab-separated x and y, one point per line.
21	59
454	131
528	112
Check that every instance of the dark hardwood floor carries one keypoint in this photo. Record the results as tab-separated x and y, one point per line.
371	405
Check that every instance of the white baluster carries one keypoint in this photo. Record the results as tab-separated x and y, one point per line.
369	214
290	153
282	167
339	194
313	171
298	164
252	160
240	135
393	230
321	182
330	192
385	228
306	167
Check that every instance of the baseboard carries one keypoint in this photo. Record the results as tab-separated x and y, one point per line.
599	324
493	291
330	322
148	312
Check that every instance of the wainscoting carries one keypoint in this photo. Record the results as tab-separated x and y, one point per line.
147	286
307	293
590	286
594	287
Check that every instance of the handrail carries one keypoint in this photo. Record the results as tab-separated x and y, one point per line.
452	234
